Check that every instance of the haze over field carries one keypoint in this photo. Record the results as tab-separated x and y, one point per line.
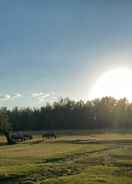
59	48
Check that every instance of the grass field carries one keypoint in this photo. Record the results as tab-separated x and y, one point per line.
90	158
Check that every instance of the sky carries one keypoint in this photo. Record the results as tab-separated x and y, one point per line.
58	48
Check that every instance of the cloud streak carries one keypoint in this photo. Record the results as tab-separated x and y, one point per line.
42	97
38	97
7	97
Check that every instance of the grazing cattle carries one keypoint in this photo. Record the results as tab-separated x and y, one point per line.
27	136
49	135
20	136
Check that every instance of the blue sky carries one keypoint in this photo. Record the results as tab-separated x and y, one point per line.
53	48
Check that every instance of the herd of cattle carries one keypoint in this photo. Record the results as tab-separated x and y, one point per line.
22	136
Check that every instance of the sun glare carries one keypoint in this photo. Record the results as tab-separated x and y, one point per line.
116	83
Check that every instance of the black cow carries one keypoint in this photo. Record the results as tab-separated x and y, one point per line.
49	135
20	136
27	136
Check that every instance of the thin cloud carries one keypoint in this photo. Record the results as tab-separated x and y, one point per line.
42	97
5	97
18	95
10	97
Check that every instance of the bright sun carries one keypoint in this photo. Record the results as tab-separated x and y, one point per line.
116	83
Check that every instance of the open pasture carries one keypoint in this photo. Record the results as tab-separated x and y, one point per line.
79	158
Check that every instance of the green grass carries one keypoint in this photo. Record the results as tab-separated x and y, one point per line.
72	159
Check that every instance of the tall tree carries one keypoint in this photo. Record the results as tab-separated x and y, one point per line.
5	126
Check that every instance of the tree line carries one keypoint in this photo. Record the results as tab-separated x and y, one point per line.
104	113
